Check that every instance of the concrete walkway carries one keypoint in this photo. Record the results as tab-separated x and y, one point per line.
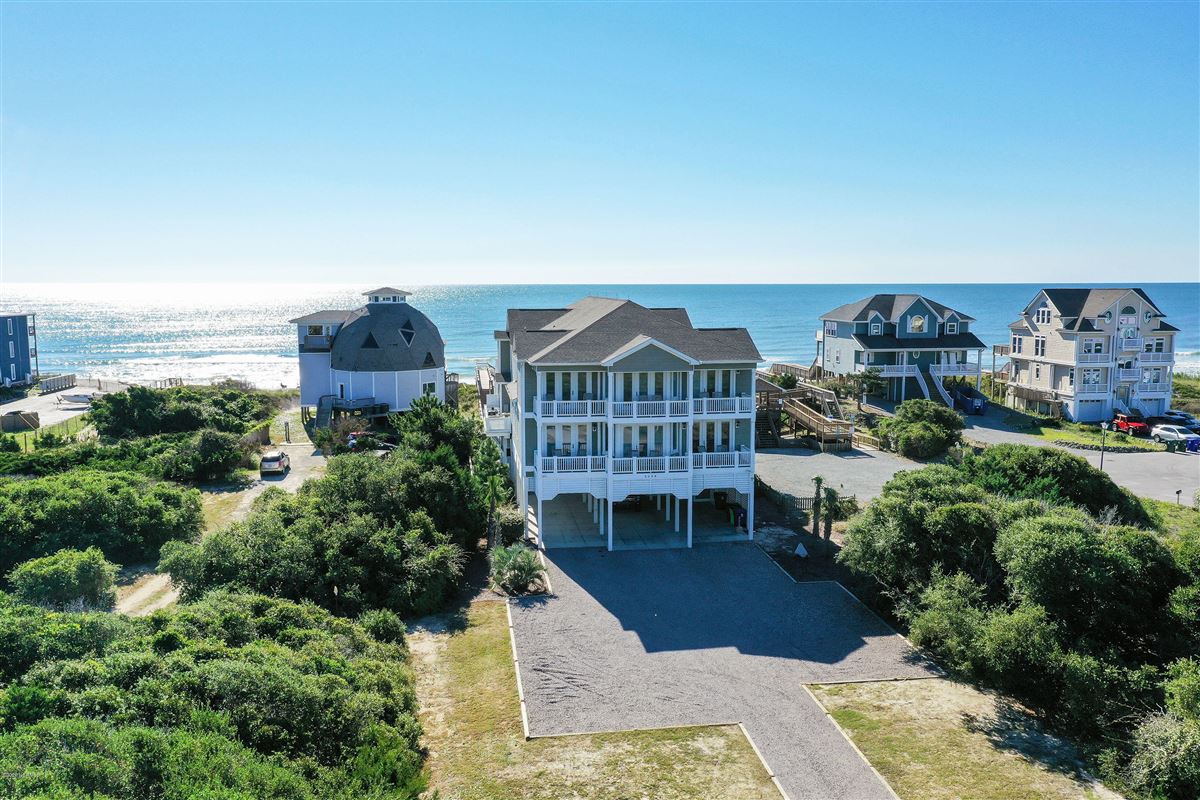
861	473
716	634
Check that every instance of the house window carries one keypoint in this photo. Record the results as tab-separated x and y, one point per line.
428	388
831	329
1128	316
837	356
1071	377
12	349
1156	345
951	327
1043	316
876	328
1016	343
315	330
916	324
1037	372
407	332
1152	375
1091	377
10	328
1093	346
1039	345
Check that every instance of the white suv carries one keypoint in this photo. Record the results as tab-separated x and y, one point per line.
1172	433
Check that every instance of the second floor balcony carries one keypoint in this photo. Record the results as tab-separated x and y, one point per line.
1091	388
890	370
1129	374
1130	343
1156	358
316	343
650	407
1094	358
651	464
565	409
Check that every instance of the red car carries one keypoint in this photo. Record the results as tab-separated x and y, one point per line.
1134	426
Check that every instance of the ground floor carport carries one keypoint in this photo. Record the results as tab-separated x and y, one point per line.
571	520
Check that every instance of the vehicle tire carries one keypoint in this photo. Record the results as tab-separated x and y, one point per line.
1158	439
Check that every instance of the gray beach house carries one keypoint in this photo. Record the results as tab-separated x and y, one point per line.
914	342
625	426
373	359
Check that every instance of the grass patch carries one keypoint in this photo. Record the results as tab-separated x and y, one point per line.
295	425
1063	430
1185	393
936	739
1171	520
218	507
477	750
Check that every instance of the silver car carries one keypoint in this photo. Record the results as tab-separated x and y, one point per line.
274	461
1172	433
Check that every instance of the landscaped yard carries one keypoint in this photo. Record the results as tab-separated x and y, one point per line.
1064	431
477	750
934	738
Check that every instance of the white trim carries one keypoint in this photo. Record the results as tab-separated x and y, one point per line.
643	342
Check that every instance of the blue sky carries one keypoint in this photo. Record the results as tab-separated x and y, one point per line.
581	142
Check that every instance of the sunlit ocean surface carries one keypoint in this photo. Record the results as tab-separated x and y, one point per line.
204	332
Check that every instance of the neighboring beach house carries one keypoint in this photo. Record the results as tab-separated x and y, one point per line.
370	360
1089	353
913	341
625	426
18	349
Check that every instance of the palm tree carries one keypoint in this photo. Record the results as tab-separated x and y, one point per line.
494	492
831	499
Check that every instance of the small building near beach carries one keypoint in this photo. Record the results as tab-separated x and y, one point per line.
18	349
374	359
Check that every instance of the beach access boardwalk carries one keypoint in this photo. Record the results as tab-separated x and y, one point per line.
64	404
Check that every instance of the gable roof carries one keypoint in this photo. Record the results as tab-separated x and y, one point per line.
594	329
1079	303
889	306
387	290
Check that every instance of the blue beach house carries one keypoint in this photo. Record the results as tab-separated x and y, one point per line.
18	349
914	342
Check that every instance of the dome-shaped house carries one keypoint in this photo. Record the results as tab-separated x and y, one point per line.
377	358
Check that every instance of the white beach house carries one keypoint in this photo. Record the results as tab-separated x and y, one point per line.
625	426
1088	353
376	358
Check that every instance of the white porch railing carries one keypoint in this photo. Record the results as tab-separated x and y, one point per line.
1129	374
889	370
946	370
1156	387
1156	358
740	458
639	465
559	464
677	464
1091	388
722	405
630	409
1131	343
572	408
1095	358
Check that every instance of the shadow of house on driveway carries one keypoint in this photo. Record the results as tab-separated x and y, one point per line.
716	634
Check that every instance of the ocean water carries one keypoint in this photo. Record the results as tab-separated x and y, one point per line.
203	332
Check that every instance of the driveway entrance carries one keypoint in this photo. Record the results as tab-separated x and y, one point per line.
570	524
716	634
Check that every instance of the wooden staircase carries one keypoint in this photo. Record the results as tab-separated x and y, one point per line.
324	411
765	432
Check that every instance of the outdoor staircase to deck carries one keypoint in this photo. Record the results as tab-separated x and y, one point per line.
765	434
324	411
941	389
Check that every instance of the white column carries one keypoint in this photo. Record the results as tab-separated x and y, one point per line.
541	524
668	507
691	502
610	523
677	515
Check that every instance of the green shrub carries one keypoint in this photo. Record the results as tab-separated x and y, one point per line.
1183	689
66	578
9	444
205	455
515	568
384	625
140	411
510	524
921	429
1166	758
126	515
785	381
947	620
1051	474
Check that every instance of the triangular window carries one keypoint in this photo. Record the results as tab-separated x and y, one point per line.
370	343
429	362
406	330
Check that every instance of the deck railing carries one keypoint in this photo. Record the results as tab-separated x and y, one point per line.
944	370
317	342
1091	388
723	405
560	464
1156	358
889	370
1129	374
1132	343
629	409
1095	358
572	408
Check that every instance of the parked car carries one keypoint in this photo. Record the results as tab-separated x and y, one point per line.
274	461
1131	424
1172	433
1179	417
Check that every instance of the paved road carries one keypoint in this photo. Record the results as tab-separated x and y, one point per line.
861	473
1150	474
716	634
58	406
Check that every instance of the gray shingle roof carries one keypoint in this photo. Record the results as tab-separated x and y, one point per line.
954	341
331	315
889	306
592	329
1090	302
387	324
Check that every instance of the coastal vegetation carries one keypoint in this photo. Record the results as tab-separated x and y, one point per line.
68	579
1027	570
1185	392
235	696
141	411
921	429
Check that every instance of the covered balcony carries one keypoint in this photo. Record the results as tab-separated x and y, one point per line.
1128	343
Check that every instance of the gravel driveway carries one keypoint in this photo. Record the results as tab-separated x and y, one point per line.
716	634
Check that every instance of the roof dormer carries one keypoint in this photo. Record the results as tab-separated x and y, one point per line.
386	294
